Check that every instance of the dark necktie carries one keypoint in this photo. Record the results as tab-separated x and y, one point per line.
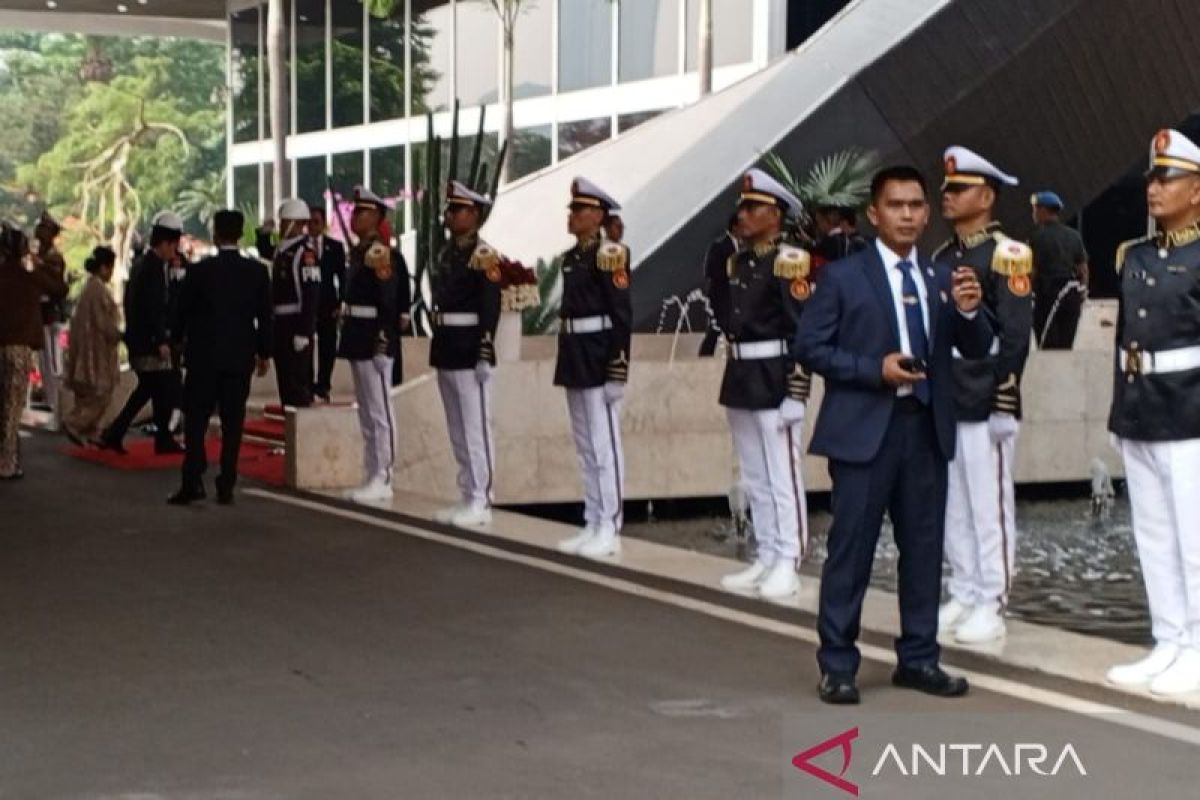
915	320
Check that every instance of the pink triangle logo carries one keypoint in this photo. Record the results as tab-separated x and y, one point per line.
803	761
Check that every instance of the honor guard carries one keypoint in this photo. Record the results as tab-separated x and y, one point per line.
376	295
332	257
295	293
980	507
466	310
593	365
1155	414
764	390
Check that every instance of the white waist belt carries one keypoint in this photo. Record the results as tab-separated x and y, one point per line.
587	324
455	319
755	351
287	308
1144	362
364	312
994	350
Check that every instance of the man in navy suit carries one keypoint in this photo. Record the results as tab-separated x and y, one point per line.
880	330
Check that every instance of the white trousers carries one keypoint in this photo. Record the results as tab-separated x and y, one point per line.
981	532
596	426
468	407
770	459
372	391
50	365
1164	492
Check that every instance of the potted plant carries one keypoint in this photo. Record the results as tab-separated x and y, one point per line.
518	291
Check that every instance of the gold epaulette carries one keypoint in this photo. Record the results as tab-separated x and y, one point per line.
792	263
378	259
1011	258
484	257
1123	250
612	257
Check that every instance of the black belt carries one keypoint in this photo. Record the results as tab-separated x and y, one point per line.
910	405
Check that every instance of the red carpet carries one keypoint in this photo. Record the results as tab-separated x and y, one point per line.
256	462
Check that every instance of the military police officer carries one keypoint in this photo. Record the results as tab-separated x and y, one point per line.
980	506
376	307
593	365
764	390
295	293
1155	414
466	310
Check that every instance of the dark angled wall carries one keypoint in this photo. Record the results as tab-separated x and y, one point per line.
1062	93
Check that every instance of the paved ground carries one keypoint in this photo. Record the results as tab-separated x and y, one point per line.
268	651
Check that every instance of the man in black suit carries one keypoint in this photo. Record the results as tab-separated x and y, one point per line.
224	322
880	330
332	257
148	298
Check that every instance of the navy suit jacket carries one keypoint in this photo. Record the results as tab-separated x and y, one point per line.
849	325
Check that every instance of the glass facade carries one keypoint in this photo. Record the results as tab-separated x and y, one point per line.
733	32
310	65
386	37
477	71
348	64
244	71
310	179
649	33
533	66
347	50
585	44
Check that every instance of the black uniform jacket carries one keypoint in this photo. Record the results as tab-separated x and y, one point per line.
466	281
1004	267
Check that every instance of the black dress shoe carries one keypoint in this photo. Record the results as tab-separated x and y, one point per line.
168	448
838	689
186	495
224	496
104	443
930	679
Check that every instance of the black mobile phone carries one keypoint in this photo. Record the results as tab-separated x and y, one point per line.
917	365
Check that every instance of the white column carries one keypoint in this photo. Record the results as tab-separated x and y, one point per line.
277	57
408	112
228	109
704	51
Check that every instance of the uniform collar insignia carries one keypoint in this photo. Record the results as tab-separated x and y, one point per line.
466	242
1179	238
973	240
589	243
762	248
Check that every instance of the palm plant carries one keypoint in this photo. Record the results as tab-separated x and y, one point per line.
543	319
839	180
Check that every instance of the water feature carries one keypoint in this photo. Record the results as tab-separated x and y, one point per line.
1076	563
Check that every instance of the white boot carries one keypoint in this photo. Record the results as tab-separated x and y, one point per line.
1182	677
571	544
984	624
606	543
746	579
952	614
1139	673
446	515
472	516
780	581
376	491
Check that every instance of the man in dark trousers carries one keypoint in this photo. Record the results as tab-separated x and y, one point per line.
880	330
331	255
224	325
1060	274
716	284
295	293
147	337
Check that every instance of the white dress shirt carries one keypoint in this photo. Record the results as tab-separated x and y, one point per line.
896	282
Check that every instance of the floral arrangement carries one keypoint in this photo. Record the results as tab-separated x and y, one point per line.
518	286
